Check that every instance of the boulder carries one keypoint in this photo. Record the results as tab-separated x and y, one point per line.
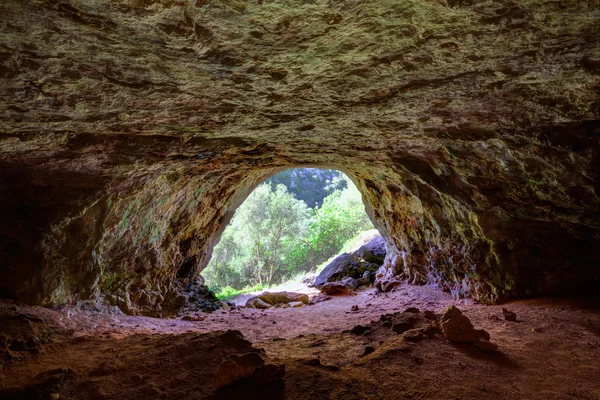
266	300
354	264
256	302
509	315
337	289
374	251
295	304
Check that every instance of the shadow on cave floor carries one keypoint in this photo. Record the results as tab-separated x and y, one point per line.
328	350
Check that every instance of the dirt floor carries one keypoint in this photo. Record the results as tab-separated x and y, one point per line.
552	351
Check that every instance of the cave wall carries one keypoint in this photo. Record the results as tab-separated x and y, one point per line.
131	129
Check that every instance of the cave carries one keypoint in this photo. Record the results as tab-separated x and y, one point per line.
131	131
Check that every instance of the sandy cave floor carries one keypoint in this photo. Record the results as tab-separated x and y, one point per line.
551	352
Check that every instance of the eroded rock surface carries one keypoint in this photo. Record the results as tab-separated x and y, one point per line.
131	130
359	265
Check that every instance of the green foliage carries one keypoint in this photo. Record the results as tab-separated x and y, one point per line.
310	185
274	237
227	293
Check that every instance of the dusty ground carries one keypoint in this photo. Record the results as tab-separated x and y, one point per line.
551	352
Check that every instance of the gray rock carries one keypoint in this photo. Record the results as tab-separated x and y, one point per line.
374	251
349	281
354	264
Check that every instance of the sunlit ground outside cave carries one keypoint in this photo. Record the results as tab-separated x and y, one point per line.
299	199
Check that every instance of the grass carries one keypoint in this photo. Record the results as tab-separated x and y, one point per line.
227	293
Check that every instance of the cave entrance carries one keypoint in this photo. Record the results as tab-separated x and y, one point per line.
288	230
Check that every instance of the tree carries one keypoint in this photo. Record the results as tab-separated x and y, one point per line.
274	236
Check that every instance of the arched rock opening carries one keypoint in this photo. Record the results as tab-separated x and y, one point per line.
470	129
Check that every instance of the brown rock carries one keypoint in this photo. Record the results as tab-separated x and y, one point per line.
429	314
509	315
256	302
237	367
337	289
457	327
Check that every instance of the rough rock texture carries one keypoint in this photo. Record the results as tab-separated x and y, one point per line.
456	327
130	130
359	264
338	289
268	299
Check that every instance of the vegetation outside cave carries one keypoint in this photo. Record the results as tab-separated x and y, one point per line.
289	226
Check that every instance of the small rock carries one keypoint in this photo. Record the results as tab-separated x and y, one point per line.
457	327
368	350
413	335
413	310
429	314
320	297
509	315
354	308
494	318
359	329
296	304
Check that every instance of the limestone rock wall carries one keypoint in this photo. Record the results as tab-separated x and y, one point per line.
130	130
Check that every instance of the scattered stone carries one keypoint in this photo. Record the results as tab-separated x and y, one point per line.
456	327
256	302
295	304
320	297
429	315
359	329
413	335
368	350
509	315
337	289
403	323
354	308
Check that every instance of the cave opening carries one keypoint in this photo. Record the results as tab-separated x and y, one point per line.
297	231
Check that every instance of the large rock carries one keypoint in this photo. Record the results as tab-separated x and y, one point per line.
338	289
374	251
268	299
354	264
